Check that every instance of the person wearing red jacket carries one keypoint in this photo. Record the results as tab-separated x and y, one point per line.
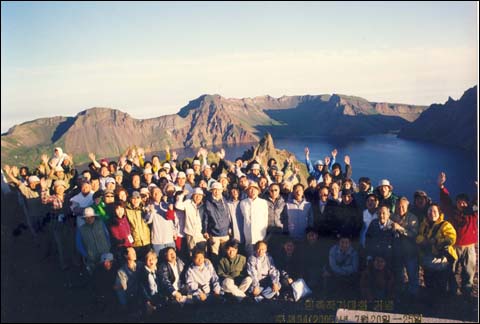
120	232
465	221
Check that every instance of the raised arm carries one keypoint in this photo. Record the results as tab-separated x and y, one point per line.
9	171
92	158
308	163
331	161
446	203
348	167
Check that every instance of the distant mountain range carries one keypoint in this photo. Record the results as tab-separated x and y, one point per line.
207	120
453	124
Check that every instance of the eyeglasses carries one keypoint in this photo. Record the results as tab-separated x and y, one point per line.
109	196
324	195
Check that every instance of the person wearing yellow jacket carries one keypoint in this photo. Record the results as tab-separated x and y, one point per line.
138	225
436	239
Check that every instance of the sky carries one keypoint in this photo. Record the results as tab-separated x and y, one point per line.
151	59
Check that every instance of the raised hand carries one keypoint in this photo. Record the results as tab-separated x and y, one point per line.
442	177
334	153
307	152
14	171
91	156
167	148
221	154
347	160
297	169
327	160
7	169
122	160
174	156
136	160
44	158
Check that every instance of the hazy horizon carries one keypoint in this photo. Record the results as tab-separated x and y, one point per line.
151	59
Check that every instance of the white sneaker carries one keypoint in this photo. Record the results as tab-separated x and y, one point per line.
259	298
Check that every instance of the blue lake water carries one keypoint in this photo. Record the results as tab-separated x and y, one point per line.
409	165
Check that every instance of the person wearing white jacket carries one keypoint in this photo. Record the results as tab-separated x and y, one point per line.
255	217
163	229
193	219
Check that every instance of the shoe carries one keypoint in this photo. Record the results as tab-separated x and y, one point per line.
150	309
183	300
239	299
259	298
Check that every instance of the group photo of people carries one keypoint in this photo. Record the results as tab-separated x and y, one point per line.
156	233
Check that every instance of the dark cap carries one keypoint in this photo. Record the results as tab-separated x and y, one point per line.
119	203
336	166
98	194
420	193
365	179
463	197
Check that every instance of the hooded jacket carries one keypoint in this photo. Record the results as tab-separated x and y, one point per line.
444	236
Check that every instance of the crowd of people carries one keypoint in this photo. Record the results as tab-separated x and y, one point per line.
151	233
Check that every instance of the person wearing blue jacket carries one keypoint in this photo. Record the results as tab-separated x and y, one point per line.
216	220
320	167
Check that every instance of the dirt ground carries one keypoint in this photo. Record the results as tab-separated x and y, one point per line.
34	289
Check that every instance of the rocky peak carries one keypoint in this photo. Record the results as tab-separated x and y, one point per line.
202	101
265	150
335	100
450	101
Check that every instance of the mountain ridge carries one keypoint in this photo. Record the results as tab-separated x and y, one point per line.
207	120
452	123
